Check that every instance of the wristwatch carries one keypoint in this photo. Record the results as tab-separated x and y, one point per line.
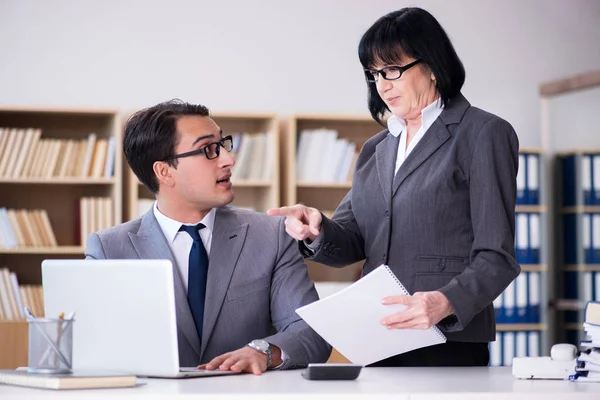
264	347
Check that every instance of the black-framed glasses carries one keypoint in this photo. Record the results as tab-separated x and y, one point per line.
389	73
211	150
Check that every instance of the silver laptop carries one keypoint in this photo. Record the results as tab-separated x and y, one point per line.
125	319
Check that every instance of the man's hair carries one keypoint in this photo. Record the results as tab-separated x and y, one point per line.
151	135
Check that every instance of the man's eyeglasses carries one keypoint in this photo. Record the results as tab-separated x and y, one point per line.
211	150
389	73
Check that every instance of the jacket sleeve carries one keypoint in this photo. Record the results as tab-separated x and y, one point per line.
292	288
492	186
340	242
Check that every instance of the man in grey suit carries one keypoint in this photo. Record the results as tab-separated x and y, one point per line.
238	276
433	196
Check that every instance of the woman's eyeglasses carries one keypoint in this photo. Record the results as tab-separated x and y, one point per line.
389	73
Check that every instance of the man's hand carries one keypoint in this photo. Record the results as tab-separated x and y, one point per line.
245	359
425	309
301	222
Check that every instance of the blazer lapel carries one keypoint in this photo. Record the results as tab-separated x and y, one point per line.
385	156
150	243
227	241
435	136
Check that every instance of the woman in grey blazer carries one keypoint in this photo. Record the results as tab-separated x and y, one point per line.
433	195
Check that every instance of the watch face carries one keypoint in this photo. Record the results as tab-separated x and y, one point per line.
261	345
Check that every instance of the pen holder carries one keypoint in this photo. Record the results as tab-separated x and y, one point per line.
50	345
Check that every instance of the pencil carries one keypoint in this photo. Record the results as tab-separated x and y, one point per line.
59	332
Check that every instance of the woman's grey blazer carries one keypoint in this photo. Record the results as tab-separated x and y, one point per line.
445	221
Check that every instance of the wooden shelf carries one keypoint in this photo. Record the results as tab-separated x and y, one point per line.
244	183
61	181
14	336
324	185
580	209
573	83
582	268
521	327
531	151
568	304
534	268
523	208
45	250
573	327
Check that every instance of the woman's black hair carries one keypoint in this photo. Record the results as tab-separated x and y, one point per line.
411	33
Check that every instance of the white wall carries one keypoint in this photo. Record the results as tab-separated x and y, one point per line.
278	56
574	121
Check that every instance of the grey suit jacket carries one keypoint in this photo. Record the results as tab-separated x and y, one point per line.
256	279
444	222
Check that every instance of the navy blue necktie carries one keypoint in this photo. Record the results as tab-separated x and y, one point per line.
197	272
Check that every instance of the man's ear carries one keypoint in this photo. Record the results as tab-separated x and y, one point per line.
163	172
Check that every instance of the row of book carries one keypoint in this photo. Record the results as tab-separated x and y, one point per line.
528	179
581	179
521	301
95	214
581	238
32	228
254	156
509	345
583	286
14	297
323	157
24	154
588	361
25	228
527	237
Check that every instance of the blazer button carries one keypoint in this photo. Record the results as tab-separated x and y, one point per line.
442	264
387	213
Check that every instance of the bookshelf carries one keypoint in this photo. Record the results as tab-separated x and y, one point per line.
568	109
260	193
59	196
579	250
314	190
56	184
522	317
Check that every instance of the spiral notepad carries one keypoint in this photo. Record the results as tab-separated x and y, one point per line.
350	320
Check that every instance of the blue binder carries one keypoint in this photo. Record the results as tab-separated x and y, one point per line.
570	239
522	179
569	181
532	179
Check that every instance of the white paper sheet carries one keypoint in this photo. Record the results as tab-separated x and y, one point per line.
350	320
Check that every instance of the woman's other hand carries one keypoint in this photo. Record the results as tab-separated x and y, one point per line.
425	309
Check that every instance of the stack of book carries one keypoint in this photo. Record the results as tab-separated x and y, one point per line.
25	228
24	154
15	296
588	362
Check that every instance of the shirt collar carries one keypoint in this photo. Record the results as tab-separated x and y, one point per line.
428	115
170	227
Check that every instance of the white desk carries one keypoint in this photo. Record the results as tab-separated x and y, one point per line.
373	383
